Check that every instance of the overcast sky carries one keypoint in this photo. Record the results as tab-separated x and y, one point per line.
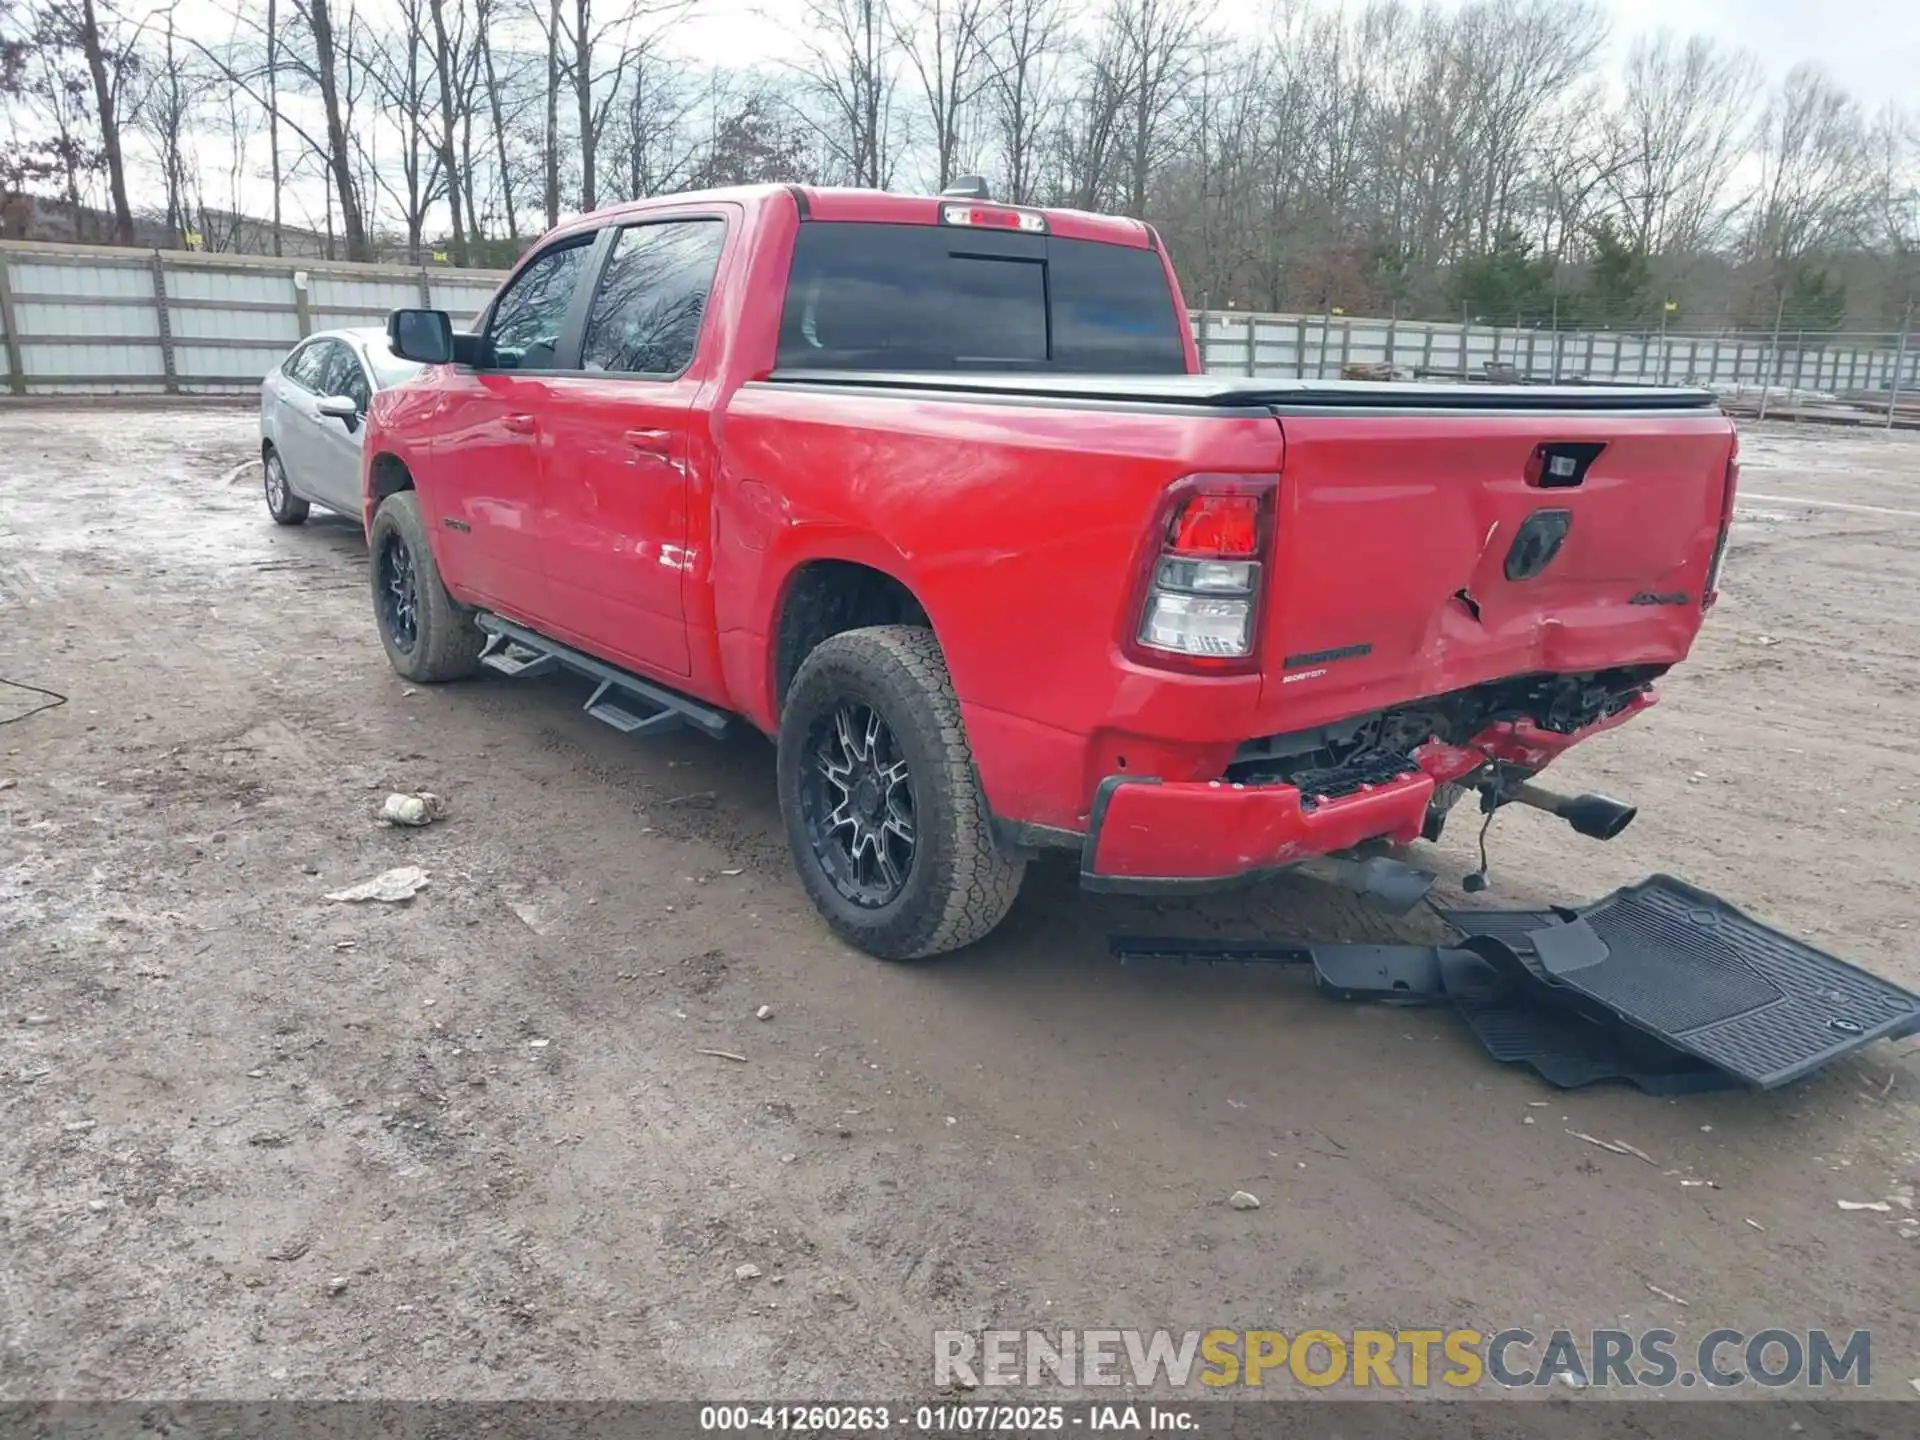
1870	46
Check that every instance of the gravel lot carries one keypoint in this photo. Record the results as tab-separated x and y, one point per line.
253	1144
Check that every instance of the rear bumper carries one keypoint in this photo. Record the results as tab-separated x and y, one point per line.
1148	835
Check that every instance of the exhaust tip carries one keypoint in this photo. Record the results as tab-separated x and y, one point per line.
1598	817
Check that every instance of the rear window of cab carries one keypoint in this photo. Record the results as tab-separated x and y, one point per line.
937	298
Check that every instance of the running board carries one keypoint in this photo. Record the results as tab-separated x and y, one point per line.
499	655
626	702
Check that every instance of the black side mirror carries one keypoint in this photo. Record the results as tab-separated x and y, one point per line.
423	336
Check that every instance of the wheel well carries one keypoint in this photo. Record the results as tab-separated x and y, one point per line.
389	476
827	597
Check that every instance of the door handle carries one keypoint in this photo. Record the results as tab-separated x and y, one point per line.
651	442
519	424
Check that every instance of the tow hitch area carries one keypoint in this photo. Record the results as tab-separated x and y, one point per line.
1659	984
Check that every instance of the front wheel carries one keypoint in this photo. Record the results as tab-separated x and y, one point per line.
883	808
427	635
283	505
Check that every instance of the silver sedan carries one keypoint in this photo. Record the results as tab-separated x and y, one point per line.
313	408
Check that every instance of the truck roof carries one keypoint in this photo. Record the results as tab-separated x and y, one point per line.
882	207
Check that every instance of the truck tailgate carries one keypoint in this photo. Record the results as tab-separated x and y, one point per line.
1419	553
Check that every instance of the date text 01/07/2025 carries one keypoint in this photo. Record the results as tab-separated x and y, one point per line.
958	1419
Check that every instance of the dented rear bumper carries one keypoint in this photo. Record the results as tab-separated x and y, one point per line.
1148	835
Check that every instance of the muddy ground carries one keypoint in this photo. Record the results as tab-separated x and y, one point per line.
255	1144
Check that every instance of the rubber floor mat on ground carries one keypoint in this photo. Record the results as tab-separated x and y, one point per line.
1694	972
1510	927
1522	1020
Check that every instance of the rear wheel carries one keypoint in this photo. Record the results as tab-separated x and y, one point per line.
883	808
283	505
428	636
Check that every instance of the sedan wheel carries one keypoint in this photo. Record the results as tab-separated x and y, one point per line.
283	505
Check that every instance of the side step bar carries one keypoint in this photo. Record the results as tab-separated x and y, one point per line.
626	702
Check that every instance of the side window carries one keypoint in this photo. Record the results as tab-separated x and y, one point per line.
528	317
646	316
345	376
304	365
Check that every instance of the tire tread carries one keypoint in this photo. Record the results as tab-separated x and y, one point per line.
450	642
982	882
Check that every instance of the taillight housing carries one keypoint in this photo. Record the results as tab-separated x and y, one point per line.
1198	605
1710	591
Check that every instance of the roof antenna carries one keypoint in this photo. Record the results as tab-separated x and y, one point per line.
968	187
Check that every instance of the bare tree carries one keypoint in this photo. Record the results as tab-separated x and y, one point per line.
1085	144
652	148
449	59
1025	56
71	154
327	54
848	77
547	14
1814	190
1894	150
273	114
109	55
1676	136
945	45
496	87
401	74
334	72
164	111
1156	44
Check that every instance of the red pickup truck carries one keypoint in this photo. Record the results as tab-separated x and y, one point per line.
933	491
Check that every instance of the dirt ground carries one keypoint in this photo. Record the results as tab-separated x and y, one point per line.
255	1144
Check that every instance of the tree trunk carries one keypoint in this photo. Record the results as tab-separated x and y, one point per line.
273	114
351	219
553	113
449	155
109	123
499	135
583	97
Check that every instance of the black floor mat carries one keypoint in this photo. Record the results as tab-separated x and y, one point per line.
1699	975
1510	927
1567	1051
1660	985
1522	1020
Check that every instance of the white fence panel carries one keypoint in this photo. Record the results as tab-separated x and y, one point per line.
332	292
81	319
462	300
86	320
99	364
122	277
54	317
1323	346
280	327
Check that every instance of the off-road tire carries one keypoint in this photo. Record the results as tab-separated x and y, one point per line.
289	508
447	643
959	885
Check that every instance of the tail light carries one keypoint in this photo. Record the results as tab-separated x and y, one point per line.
1206	566
1710	592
